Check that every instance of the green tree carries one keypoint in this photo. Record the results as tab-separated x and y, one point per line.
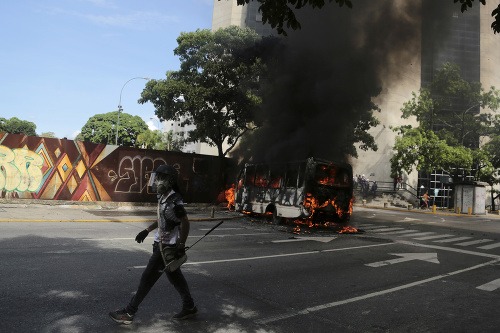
150	139
450	107
48	135
101	128
449	127
161	141
173	141
492	151
15	125
281	13
216	88
421	149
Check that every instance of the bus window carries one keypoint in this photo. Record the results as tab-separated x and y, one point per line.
295	175
262	176
292	174
302	172
249	175
276	178
330	175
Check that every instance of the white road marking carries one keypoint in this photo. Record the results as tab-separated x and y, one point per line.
299	239
429	257
386	229
107	239
489	247
450	240
399	232
206	229
406	219
433	237
279	255
450	249
369	227
474	242
191	236
232	235
285	255
370	295
417	234
490	286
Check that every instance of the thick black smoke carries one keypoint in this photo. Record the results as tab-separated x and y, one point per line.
324	77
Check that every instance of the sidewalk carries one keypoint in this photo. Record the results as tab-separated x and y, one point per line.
438	211
26	210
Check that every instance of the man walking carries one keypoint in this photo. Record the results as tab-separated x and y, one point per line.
172	230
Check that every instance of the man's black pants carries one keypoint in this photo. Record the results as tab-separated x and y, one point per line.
151	274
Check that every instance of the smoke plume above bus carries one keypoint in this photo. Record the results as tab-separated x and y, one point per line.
324	78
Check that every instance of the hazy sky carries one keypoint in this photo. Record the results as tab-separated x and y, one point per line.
63	61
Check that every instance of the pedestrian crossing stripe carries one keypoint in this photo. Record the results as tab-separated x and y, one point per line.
433	237
386	229
399	232
419	234
489	247
490	286
439	238
451	240
474	242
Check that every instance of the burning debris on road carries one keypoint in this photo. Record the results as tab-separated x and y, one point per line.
305	226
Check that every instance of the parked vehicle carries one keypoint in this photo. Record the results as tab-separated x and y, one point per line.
313	189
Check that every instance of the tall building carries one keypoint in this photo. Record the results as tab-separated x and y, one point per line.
227	13
179	129
444	35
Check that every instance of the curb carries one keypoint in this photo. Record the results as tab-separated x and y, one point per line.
429	212
197	219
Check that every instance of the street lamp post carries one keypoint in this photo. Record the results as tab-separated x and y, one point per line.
158	121
120	109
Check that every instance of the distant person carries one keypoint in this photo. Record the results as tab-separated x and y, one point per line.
400	182
425	200
374	188
172	229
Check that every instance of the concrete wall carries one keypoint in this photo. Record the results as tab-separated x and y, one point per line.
400	77
227	13
57	169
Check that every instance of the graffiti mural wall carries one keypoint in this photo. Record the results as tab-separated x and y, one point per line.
58	169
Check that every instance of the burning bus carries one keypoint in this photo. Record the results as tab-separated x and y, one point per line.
312	189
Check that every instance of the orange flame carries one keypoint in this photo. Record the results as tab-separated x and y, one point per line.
229	193
328	177
312	204
348	230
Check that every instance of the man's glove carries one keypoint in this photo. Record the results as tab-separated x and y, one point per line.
180	250
141	236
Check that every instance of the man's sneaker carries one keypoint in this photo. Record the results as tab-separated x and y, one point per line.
186	313
122	316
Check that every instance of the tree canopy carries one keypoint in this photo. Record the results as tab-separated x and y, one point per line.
15	125
101	128
281	13
48	135
215	89
161	141
450	107
450	127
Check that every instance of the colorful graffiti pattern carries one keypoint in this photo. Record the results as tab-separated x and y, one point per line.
60	169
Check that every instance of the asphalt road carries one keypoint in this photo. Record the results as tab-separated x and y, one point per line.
403	272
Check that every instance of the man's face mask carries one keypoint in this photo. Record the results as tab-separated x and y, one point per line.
163	184
160	183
